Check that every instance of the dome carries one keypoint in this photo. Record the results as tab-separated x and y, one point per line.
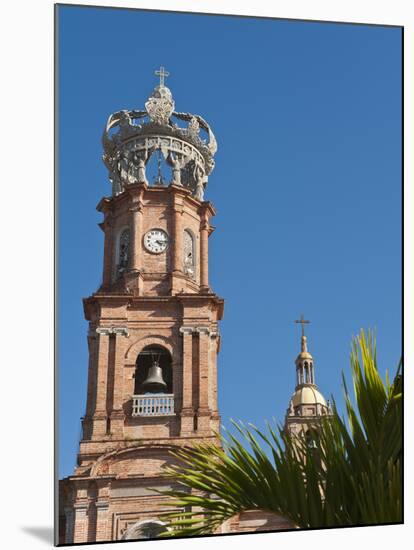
308	395
304	355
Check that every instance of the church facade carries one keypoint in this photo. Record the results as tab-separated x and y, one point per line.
154	334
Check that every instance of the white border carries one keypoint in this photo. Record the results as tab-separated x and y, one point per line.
26	40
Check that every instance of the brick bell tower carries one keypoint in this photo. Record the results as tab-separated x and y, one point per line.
153	324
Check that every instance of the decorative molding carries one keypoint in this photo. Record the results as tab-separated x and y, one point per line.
158	339
187	330
81	507
102	505
203	330
106	331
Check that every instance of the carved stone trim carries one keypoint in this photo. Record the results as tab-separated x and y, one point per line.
187	330
102	505
81	508
123	331
203	330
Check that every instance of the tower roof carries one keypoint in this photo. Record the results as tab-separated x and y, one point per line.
185	140
308	395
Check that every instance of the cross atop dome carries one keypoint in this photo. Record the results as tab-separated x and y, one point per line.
162	73
303	322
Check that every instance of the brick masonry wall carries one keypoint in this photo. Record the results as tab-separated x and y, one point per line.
120	456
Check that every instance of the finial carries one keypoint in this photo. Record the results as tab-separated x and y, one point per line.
162	73
303	322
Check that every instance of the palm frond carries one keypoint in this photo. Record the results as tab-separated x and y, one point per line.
353	477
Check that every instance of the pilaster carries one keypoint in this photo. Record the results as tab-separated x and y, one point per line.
107	227
70	519
187	412
134	274
100	412
117	415
91	395
80	531
102	517
178	197
204	232
203	411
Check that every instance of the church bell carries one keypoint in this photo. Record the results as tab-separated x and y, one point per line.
154	382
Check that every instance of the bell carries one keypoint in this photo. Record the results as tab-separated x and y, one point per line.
154	382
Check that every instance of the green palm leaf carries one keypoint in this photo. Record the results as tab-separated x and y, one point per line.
354	477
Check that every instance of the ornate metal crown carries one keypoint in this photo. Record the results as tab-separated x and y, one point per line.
130	138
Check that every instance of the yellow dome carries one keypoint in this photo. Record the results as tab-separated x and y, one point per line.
304	355
308	395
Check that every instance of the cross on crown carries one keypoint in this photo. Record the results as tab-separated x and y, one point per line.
162	73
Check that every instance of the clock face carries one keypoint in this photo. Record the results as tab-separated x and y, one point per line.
156	241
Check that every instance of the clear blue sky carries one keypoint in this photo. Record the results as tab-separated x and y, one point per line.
307	188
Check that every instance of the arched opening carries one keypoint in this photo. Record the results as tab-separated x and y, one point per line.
299	372
144	371
145	530
189	253
157	170
123	252
307	380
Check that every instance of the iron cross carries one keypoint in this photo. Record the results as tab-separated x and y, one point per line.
303	322
162	73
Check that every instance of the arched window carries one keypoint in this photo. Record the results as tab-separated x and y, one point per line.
146	376
145	530
306	373
189	254
123	252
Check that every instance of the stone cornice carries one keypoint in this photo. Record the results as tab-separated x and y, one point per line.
104	204
131	302
207	207
136	189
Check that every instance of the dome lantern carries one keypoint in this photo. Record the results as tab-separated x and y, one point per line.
307	403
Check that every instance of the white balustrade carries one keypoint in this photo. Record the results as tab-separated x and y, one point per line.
161	404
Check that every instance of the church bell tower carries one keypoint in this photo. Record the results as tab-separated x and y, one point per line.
153	323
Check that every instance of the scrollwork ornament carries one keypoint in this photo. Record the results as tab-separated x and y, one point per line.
131	136
160	109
